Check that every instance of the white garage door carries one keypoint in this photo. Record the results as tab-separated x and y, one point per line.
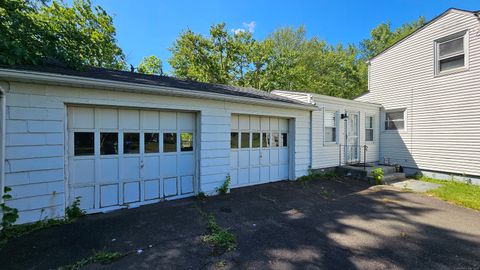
259	150
124	157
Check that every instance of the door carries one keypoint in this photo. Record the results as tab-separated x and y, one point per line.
352	144
259	150
120	157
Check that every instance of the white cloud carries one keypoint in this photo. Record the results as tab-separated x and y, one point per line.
250	27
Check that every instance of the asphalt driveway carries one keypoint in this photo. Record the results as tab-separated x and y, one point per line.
330	224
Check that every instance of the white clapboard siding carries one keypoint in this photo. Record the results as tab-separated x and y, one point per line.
325	155
35	139
442	112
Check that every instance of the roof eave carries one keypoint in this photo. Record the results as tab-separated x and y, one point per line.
60	79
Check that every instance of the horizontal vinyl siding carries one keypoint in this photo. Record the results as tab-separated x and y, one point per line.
443	112
326	155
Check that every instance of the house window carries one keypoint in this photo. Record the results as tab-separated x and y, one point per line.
450	53
395	120
330	126
369	129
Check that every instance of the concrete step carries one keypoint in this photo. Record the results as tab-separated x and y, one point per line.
390	178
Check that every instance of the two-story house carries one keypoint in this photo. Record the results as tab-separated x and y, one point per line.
429	86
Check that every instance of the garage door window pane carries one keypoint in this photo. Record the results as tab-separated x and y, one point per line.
256	140
131	143
187	141
265	140
84	143
276	140
108	143
245	140
284	139
151	143
234	140
169	142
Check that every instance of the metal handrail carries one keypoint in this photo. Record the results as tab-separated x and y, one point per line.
362	150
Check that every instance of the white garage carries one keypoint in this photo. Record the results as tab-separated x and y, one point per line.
117	139
129	156
259	149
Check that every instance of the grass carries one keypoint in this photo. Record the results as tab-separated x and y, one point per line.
459	193
101	257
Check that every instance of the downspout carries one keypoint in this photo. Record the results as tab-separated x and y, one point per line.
3	102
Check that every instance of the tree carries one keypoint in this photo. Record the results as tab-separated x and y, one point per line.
150	65
77	35
382	37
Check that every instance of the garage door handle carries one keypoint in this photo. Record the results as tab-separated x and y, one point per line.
141	164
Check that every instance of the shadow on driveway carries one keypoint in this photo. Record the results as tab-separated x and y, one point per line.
338	223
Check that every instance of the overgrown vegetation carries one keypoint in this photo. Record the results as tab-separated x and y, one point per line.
460	193
101	257
314	175
9	230
223	189
74	211
201	196
9	214
377	174
220	239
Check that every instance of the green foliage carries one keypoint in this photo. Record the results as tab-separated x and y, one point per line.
101	257
377	174
223	189
9	214
460	193
150	65
73	211
382	37
220	239
312	175
418	175
80	34
13	231
201	196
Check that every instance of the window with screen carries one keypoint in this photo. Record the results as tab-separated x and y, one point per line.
369	129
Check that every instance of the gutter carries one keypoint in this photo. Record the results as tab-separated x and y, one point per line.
59	79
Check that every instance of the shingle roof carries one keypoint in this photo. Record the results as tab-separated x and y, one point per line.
155	80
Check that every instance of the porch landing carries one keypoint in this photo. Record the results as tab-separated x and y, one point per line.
365	173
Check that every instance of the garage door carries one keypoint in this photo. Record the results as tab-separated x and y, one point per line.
259	150
125	157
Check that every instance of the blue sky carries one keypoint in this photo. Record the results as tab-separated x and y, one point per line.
149	27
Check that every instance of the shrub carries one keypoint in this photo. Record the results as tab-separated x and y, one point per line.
73	211
418	175
377	174
223	189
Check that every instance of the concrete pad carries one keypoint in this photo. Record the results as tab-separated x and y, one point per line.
416	186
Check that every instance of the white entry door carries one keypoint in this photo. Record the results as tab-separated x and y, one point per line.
120	157
352	146
259	150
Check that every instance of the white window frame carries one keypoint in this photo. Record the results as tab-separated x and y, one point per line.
404	129
325	127
464	35
372	128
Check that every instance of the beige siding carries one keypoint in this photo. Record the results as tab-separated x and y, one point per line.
442	112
